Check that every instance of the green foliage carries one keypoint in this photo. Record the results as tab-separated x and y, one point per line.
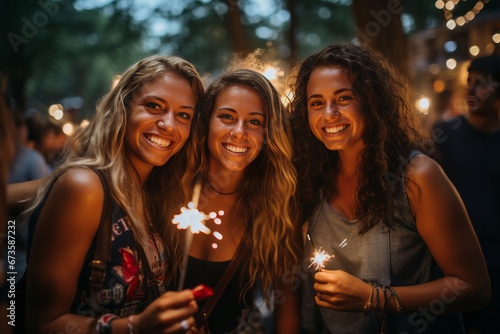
322	23
56	51
60	48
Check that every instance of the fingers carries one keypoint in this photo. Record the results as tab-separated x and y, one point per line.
322	287
170	313
320	301
173	299
324	276
175	315
322	297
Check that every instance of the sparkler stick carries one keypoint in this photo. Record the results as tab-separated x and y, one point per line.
192	221
188	237
310	239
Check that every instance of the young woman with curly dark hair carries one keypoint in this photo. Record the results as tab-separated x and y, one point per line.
412	259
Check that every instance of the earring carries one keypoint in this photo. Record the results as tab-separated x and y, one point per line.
159	123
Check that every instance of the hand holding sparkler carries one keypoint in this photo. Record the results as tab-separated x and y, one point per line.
320	257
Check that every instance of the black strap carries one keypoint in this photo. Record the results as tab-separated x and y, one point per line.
205	311
102	253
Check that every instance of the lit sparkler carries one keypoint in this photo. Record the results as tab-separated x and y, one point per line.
194	219
319	259
320	256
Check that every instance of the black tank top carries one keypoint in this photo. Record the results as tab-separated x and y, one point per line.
224	316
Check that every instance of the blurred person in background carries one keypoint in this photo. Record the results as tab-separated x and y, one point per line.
40	134
55	149
469	148
7	151
29	163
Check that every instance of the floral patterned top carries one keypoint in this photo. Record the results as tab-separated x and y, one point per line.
124	288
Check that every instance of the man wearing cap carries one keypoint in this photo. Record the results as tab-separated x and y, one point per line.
469	151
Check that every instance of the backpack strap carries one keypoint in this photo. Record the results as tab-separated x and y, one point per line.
102	253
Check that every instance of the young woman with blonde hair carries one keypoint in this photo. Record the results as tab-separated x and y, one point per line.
138	145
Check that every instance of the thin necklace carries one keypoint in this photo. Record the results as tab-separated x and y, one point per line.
220	192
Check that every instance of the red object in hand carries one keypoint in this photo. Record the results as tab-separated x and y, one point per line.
202	292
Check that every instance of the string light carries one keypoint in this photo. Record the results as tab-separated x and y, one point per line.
496	38
449	5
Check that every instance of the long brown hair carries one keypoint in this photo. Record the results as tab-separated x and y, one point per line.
269	183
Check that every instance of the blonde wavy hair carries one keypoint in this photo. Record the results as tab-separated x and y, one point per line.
269	183
101	145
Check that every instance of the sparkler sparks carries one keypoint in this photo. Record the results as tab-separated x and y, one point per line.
194	219
319	258
191	218
343	243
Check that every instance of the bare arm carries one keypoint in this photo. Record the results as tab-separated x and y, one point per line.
64	232
444	226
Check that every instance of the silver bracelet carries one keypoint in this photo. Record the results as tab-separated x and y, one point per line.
130	326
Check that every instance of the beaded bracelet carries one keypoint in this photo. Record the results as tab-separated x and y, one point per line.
396	300
103	325
386	299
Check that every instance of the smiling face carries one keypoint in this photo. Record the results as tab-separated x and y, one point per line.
236	129
160	115
334	113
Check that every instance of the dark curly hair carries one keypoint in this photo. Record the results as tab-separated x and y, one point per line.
394	131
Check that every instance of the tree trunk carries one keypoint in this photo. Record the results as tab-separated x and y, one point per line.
378	26
292	39
239	40
17	81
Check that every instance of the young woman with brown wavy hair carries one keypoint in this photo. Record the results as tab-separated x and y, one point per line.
247	172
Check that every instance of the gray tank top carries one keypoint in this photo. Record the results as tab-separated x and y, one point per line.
392	257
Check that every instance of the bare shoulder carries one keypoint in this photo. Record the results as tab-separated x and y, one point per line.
80	177
79	180
429	189
78	187
423	170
